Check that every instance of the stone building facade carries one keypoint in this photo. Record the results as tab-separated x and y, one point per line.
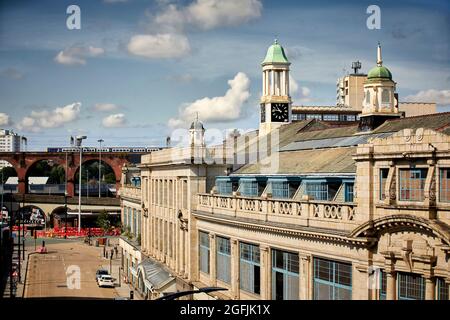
355	211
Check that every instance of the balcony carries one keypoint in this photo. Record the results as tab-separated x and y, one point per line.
334	215
131	192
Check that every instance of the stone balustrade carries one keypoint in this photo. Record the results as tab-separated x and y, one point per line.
130	192
311	213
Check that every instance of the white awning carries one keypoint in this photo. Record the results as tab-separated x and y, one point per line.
31	180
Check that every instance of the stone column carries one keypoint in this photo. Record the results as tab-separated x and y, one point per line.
182	252
305	283
212	260
272	82
391	288
235	277
186	252
265	272
429	288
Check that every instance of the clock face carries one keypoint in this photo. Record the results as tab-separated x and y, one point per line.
280	112
263	113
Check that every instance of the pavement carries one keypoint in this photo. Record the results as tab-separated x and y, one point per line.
68	270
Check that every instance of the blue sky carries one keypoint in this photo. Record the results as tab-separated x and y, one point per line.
138	69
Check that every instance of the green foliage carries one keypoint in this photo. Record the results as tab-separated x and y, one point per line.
90	170
138	239
110	178
7	172
103	221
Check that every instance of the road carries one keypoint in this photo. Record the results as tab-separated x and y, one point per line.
47	272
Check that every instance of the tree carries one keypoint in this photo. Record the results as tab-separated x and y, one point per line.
103	221
7	172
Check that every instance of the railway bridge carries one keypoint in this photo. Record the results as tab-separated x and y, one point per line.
70	161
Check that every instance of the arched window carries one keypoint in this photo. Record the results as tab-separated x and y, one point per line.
367	96
385	96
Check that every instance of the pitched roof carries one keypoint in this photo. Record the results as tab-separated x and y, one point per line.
312	146
332	160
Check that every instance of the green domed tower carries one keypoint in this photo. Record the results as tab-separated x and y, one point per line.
379	102
275	99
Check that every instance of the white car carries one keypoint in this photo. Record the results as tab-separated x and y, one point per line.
105	281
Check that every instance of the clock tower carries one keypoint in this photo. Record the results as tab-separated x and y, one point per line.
275	106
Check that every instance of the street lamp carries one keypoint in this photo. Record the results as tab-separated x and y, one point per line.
65	210
79	140
87	183
100	168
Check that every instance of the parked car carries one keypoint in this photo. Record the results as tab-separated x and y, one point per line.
99	273
106	281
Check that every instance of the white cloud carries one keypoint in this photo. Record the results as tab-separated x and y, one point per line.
217	109
114	121
299	94
159	46
77	55
4	119
167	38
46	119
441	97
102	107
209	14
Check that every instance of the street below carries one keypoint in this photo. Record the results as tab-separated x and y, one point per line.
55	274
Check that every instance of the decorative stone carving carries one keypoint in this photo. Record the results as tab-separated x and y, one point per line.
393	189
407	135
419	134
433	190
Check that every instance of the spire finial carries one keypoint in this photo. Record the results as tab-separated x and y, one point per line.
276	39
379	60
196	116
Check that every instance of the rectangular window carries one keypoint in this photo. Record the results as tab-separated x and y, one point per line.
125	216
280	189
184	194
383	285
285	275
442	289
314	116
223	259
224	187
331	117
249	268
412	183
444	185
171	234
332	280
204	251
410	286
249	188
383	178
349	192
319	191
134	223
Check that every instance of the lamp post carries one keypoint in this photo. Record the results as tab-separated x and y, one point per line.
65	210
100	167
79	140
87	183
